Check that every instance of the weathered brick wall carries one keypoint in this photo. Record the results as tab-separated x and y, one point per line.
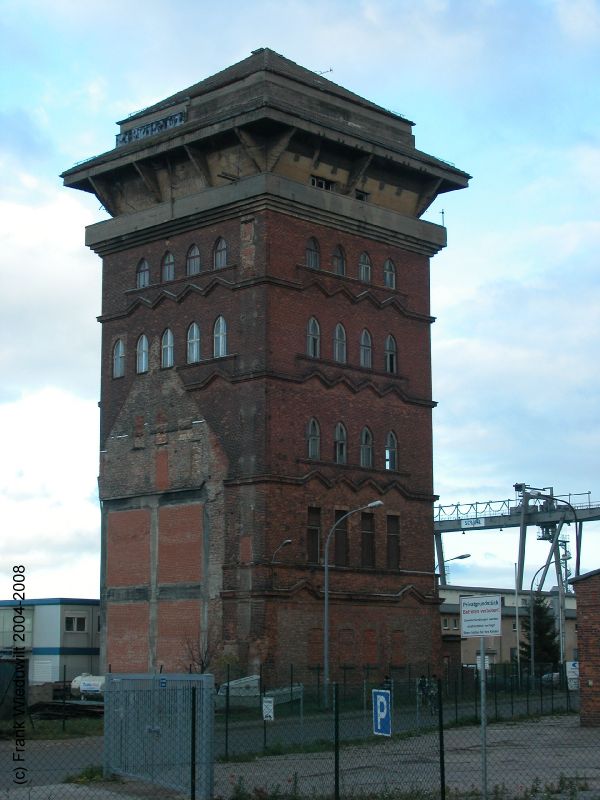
234	430
588	636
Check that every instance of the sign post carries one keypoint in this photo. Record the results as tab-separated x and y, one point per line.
268	708
480	617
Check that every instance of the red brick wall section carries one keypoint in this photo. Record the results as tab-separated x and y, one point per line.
180	543
178	634
127	645
128	548
588	636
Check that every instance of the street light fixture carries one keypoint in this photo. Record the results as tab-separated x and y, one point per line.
447	561
277	549
373	504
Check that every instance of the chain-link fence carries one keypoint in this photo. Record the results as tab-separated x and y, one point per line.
300	741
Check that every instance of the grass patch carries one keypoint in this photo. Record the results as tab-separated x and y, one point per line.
53	728
91	774
565	787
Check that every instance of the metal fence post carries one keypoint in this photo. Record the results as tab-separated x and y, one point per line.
64	697
227	716
193	748
441	736
336	742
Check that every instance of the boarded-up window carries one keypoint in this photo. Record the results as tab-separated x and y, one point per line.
347	647
398	654
370	646
313	535
314	654
341	541
393	542
367	522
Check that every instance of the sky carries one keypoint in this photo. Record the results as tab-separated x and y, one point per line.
507	90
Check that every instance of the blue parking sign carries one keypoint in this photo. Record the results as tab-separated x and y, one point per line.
382	712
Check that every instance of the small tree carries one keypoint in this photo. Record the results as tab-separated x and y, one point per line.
545	636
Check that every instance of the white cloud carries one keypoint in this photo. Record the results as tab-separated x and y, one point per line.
50	288
579	19
48	507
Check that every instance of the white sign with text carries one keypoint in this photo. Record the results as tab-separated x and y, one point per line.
481	616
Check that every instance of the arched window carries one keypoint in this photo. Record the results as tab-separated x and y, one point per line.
389	274
167	349
366	350
391	451
313	339
192	261
220	338
391	359
364	268
118	362
142	274
220	259
141	354
340	454
339	344
338	260
366	448
313	439
313	256
168	267
193	343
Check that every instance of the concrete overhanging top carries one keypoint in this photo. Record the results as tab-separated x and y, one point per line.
272	89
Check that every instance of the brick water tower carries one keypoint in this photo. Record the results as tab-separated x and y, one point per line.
266	369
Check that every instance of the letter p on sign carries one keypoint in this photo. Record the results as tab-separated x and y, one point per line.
382	712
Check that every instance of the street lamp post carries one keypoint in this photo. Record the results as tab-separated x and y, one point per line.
373	504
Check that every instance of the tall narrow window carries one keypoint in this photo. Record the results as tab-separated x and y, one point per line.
391	451
167	349
142	274
313	439
141	354
390	355
340	454
338	261
339	344
389	274
340	555
313	535
364	268
313	256
192	261
220	338
118	369
193	343
168	267
313	338
366	350
367	540
220	256
393	542
366	448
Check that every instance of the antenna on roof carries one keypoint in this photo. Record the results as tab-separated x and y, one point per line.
323	71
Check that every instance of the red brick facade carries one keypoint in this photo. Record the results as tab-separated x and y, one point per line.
588	635
206	467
